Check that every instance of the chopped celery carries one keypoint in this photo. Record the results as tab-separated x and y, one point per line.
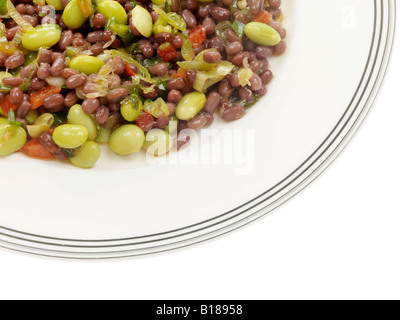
157	108
244	75
198	63
171	18
205	79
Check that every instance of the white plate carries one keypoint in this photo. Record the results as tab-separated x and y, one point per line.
325	84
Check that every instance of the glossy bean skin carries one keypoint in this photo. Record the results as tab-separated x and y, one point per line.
190	105
12	139
53	101
86	64
233	113
142	21
212	102
14	61
127	139
189	18
262	33
159	69
42	36
77	116
87	155
76	81
72	15
70	136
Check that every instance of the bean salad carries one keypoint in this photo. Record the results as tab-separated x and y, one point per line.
133	74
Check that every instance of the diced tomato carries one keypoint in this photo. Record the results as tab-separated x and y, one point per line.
51	130
38	96
263	17
34	149
197	36
145	121
128	70
167	52
6	105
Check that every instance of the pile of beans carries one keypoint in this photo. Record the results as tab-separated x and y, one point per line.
53	65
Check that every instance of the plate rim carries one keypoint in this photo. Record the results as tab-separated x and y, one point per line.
305	173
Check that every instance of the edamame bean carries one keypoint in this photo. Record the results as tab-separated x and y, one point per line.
142	21
41	124
262	33
103	136
86	64
158	142
70	136
12	138
32	116
72	15
112	9
77	116
46	35
4	121
131	108
190	105
56	4
127	139
87	156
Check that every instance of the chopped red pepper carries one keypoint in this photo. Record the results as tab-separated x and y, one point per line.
167	52
6	105
34	149
263	17
197	36
38	96
128	70
145	121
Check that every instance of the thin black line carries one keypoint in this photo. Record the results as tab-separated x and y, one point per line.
271	188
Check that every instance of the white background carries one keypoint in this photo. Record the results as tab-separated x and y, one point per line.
338	239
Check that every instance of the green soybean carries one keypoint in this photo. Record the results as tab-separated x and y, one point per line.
12	138
86	64
46	35
190	105
3	121
158	142
72	15
76	115
112	9
70	136
131	107
56	4
32	116
262	33
142	20
172	125
127	139
41	124
87	156
103	136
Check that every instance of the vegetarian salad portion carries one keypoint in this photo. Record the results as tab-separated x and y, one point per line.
133	74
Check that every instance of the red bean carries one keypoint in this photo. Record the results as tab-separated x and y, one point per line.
43	71
89	106
191	76
280	48
217	43
16	96
3	58
177	42
46	140
189	18
176	83
209	25
234	48
212	102
220	14
99	21
212	56
13	81
70	99
233	113
232	36
162	122
57	67
53	101
94	36
275	4
255	82
117	95
67	72
102	114
14	61
246	94
174	96
10	33
76	81
23	109
256	6
37	84
266	77
175	5
198	122
279	28
234	80
159	69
